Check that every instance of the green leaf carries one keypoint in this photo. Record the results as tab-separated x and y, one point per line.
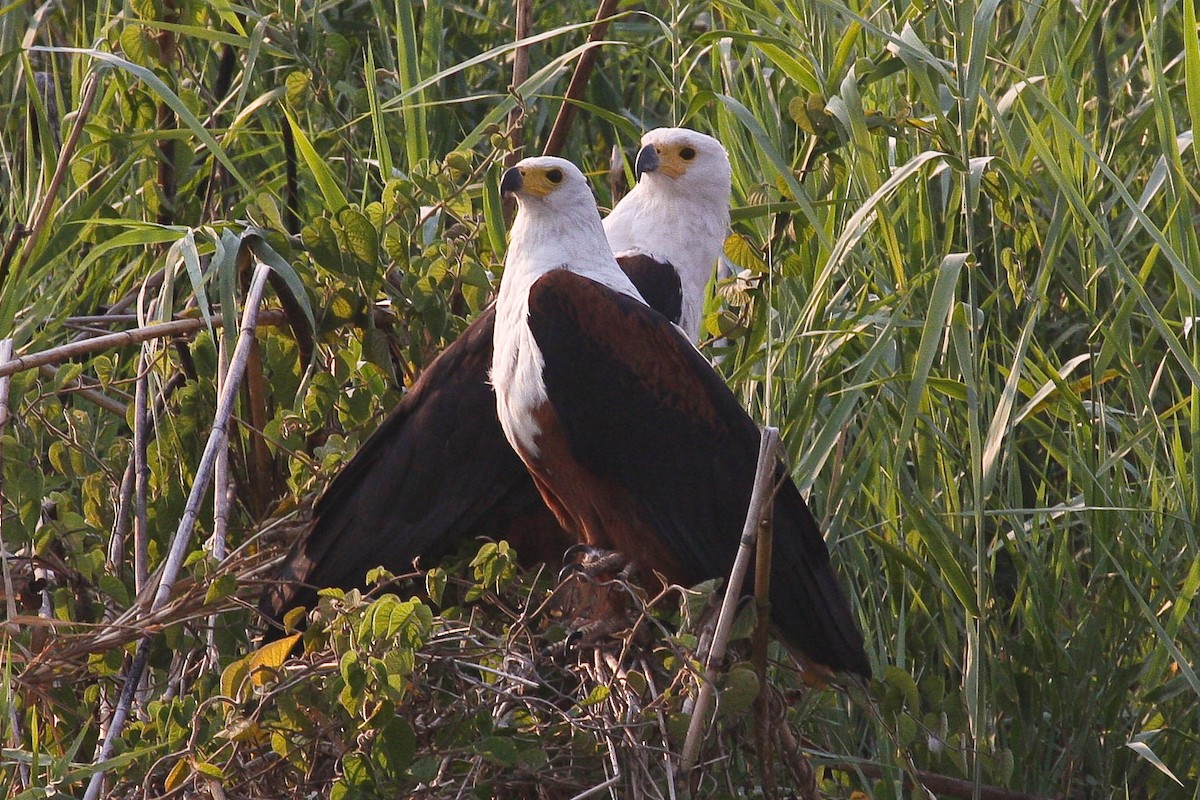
362	240
393	747
498	749
334	199
224	586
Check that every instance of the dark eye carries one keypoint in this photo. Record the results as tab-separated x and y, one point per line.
687	153
555	175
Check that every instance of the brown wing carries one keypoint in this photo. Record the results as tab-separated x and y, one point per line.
437	471
641	409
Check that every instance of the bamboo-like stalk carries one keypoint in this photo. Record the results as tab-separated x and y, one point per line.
217	440
222	498
762	607
161	330
579	80
764	479
99	344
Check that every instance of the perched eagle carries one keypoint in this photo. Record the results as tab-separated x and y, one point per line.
632	439
438	470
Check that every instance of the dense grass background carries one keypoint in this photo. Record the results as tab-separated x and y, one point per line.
967	282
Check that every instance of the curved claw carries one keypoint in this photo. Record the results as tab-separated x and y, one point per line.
573	553
573	568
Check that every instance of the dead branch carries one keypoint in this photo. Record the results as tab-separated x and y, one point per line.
269	317
5	353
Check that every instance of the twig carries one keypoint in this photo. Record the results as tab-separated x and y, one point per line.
116	544
10	249
608	784
520	71
791	753
78	388
579	80
218	439
116	547
60	173
764	476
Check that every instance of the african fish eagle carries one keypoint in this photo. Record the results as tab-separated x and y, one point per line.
438	470
634	442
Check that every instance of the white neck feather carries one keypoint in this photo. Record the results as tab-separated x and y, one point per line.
685	229
545	236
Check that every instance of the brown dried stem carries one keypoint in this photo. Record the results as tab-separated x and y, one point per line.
579	80
763	483
80	388
520	71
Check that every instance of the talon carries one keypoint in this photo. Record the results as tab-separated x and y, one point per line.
572	554
571	569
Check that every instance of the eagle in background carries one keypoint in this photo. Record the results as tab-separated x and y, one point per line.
438	470
633	441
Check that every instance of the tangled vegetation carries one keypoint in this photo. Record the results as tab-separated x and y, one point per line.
963	281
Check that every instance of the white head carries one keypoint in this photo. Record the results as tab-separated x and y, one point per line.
684	162
557	225
679	210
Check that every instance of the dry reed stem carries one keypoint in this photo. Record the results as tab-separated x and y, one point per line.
763	483
222	497
101	343
218	438
579	80
177	327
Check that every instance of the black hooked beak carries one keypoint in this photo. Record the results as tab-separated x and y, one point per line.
512	181
647	161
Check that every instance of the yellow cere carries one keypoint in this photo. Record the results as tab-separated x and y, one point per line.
540	181
673	160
